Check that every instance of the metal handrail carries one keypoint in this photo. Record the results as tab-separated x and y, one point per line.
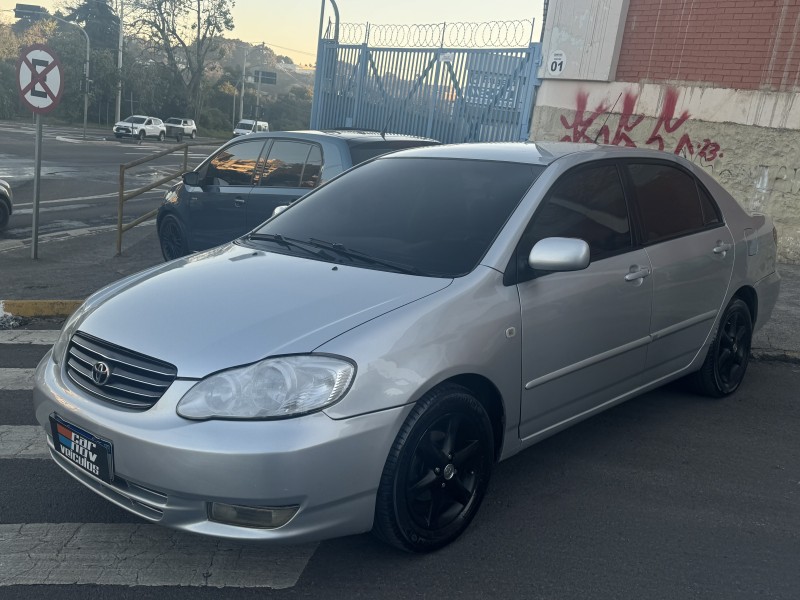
125	196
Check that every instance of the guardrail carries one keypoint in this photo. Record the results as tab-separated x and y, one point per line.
125	196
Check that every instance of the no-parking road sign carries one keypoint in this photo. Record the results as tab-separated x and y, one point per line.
40	78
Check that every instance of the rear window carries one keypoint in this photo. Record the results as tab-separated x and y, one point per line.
363	151
438	216
173	121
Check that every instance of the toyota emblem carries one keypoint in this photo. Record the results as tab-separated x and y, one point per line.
100	373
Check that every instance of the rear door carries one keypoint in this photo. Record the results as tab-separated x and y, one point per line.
292	168
584	333
691	251
218	212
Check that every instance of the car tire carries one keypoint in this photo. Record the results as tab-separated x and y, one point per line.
194	134
437	471
726	362
161	136
5	214
172	237
142	135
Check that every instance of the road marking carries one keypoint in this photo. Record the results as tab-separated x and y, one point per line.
16	379
45	337
69	140
9	245
81	198
22	441
141	555
43	209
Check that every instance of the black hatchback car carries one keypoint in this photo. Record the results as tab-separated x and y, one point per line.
239	186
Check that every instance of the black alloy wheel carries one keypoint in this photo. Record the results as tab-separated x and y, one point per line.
5	215
172	238
437	471
729	354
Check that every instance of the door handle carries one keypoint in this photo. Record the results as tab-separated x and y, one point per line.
637	273
722	248
239	201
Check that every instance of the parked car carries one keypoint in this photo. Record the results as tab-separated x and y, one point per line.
141	127
179	127
248	126
362	359
6	203
240	185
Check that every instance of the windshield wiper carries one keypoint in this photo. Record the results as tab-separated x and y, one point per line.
363	257
290	243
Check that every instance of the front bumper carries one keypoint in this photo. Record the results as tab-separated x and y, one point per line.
168	469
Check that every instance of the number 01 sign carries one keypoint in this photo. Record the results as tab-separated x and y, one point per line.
556	63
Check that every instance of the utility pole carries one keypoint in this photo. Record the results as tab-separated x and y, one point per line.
117	115
244	68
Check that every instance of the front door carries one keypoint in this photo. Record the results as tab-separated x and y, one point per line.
291	170
584	333
218	211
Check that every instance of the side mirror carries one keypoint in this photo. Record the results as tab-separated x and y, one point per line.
279	209
192	178
559	254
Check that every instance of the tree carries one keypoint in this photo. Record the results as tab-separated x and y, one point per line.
185	33
99	21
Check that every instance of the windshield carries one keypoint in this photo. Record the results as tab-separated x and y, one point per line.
436	217
244	125
134	120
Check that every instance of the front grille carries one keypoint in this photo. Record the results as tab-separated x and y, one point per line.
135	381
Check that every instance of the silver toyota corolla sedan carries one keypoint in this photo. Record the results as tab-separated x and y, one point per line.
361	360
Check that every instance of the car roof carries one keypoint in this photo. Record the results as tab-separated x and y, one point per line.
351	136
531	152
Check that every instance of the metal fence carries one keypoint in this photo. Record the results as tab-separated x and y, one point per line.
454	82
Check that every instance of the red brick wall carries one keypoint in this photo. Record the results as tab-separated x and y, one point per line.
739	44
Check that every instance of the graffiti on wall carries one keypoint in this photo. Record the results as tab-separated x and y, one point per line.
629	127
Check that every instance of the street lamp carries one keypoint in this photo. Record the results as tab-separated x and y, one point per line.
32	10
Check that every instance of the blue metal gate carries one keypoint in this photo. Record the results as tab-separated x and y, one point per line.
424	80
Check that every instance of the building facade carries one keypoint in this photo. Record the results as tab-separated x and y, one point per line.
715	82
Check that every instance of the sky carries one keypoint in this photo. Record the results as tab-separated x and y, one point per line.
291	28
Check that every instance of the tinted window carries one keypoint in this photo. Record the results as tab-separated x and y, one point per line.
284	166
313	168
439	216
173	121
709	207
234	165
588	204
667	199
361	152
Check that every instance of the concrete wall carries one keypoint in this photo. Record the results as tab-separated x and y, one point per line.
748	140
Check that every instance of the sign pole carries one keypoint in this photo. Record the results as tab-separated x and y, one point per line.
36	188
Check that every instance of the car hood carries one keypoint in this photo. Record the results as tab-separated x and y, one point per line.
233	305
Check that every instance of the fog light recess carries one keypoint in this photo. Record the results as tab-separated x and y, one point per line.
261	517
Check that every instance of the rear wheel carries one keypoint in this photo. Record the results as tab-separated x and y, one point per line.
161	136
729	354
437	472
5	215
194	134
172	238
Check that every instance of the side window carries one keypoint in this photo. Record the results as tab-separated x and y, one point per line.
234	165
667	199
284	165
148	122
588	204
313	169
709	207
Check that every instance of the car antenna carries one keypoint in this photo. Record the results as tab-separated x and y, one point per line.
608	114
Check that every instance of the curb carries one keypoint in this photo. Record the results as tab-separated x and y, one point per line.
39	308
775	355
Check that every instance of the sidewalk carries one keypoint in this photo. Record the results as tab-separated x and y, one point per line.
68	270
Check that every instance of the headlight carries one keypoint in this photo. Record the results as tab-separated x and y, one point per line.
274	388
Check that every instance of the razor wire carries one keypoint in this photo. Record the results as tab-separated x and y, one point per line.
489	34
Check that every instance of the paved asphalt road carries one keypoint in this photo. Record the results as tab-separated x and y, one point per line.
80	178
667	496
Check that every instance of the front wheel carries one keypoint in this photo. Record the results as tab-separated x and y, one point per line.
141	135
437	471
727	359
161	136
172	238
5	215
194	134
